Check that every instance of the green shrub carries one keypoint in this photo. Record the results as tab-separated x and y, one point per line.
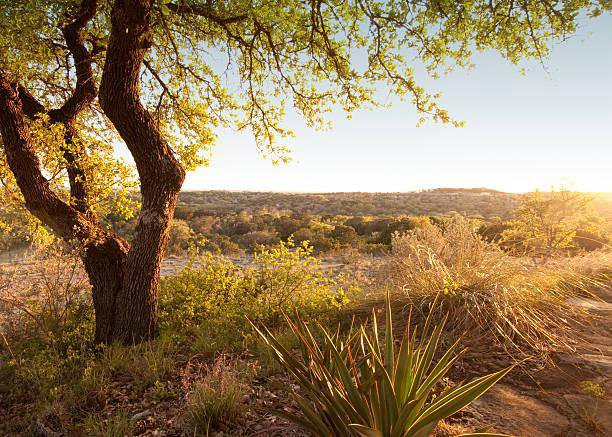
222	244
352	384
213	290
215	398
198	292
592	389
252	240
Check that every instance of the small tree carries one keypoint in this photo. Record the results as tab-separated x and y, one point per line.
545	224
181	235
344	235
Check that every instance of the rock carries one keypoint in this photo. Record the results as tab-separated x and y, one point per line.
520	415
142	415
600	361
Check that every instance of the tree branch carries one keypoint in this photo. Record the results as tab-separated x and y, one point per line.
41	201
31	106
85	92
204	11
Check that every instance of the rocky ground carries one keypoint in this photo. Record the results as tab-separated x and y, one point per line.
554	401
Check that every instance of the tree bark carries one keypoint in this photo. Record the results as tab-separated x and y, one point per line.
161	175
105	264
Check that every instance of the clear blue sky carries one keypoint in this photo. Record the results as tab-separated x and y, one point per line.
522	133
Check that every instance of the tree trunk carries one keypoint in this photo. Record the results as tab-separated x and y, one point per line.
105	265
161	175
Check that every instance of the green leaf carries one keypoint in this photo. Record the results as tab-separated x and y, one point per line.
365	431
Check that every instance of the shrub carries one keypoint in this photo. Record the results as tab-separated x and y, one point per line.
215	398
344	235
222	244
213	290
353	384
198	292
287	278
488	294
545	224
303	234
180	236
398	225
252	240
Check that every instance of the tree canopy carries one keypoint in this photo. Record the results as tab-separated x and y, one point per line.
241	63
548	223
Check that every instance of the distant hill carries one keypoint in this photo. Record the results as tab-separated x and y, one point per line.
469	201
479	201
464	190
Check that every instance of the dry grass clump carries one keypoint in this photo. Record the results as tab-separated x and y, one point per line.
216	398
445	429
490	297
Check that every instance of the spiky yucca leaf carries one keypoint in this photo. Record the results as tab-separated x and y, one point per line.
355	385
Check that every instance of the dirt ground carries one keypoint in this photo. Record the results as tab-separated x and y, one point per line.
552	402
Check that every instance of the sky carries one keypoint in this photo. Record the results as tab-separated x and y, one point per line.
522	132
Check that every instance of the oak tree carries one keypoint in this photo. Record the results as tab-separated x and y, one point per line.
79	76
549	223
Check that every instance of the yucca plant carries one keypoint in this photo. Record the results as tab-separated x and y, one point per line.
354	385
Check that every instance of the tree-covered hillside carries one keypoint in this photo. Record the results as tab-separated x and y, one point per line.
484	202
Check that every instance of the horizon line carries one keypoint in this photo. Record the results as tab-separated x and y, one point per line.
482	189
